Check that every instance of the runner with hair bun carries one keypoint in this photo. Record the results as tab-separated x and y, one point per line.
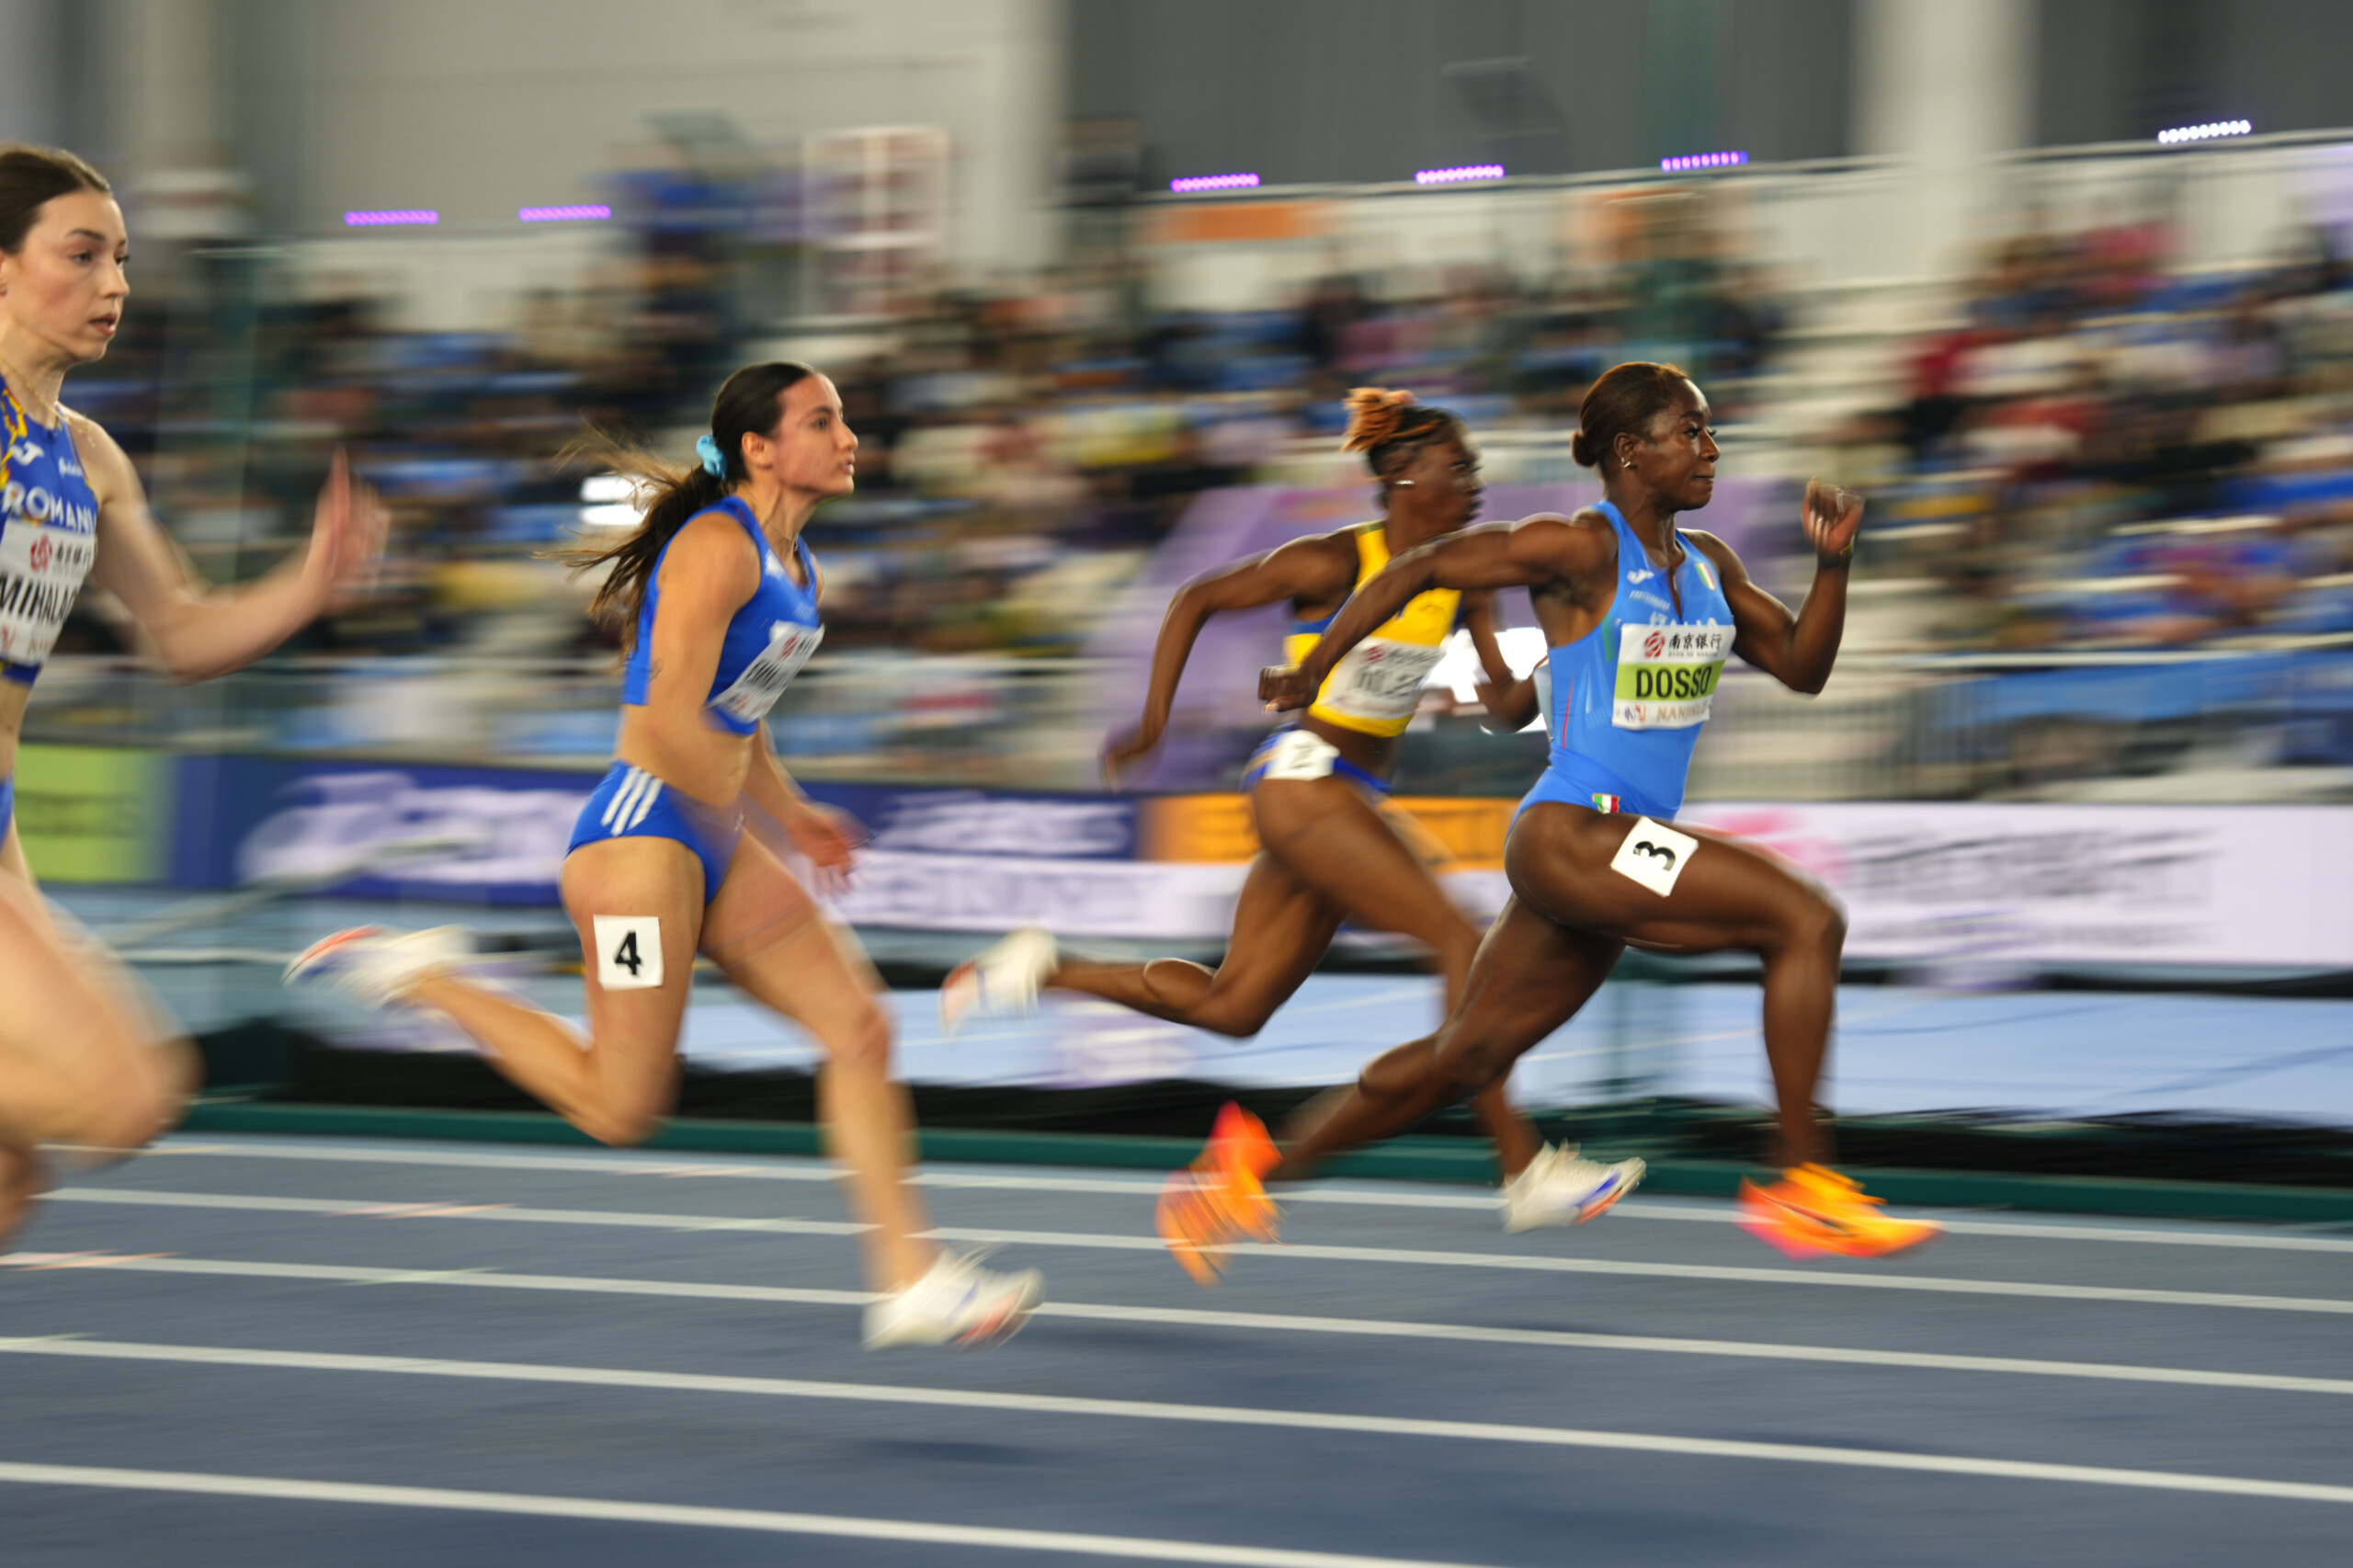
1333	846
1640	616
84	1060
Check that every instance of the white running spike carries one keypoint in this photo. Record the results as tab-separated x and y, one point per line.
958	1301
1003	979
376	966
1559	1188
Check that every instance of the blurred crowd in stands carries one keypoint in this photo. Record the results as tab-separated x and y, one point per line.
2094	449
2098	452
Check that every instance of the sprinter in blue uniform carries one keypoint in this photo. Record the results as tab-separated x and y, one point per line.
82	1059
677	852
1641	616
1333	846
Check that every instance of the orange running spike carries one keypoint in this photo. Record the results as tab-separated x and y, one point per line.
1219	1199
1813	1211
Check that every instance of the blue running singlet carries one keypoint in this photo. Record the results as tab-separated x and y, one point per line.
767	641
1627	698
49	537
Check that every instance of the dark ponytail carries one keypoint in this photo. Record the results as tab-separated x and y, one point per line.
750	404
1623	401
31	178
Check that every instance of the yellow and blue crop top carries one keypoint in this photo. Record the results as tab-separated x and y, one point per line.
1378	683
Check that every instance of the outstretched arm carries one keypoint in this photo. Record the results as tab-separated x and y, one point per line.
200	632
1542	549
1308	569
1796	650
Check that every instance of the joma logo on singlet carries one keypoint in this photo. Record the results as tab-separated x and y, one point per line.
24	452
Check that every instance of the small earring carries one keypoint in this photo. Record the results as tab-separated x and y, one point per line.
1405	484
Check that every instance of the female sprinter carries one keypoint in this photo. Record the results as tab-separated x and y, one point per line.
719	592
1332	847
1640	616
81	1059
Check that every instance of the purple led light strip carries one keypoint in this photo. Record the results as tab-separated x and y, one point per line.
1191	182
1702	161
1467	171
392	217
585	213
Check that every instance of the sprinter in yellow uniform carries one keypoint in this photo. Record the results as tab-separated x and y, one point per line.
1331	847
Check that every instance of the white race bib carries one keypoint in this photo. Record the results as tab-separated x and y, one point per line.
42	570
1379	680
629	951
1653	855
1299	753
764	679
1667	675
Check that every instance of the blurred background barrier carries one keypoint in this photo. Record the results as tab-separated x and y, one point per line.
1093	279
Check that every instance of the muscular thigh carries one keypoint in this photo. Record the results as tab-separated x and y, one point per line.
1283	927
771	937
74	1039
1530	977
1335	842
1724	894
637	905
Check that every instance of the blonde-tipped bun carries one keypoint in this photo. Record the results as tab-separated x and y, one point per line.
1374	416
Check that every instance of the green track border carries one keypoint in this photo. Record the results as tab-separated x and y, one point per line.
1404	1159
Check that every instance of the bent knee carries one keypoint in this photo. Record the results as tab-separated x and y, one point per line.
861	1043
622	1130
131	1117
1823	925
1474	1066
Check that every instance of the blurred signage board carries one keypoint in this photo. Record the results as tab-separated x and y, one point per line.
2002	884
2033	886
1228	223
93	814
1459	831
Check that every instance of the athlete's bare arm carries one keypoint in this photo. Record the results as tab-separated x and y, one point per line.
710	572
827	838
1796	650
1531	554
1309	572
197	632
1511	701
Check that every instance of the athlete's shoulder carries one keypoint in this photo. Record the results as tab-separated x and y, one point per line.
1725	557
713	543
90	438
1581	531
1339	548
105	465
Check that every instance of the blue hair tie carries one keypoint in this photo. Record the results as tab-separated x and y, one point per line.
713	462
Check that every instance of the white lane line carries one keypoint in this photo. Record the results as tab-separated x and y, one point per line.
1552	1339
1633	1208
610	1511
1945	1284
1158	1410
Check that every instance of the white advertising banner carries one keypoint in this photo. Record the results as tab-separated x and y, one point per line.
2034	885
1140	899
